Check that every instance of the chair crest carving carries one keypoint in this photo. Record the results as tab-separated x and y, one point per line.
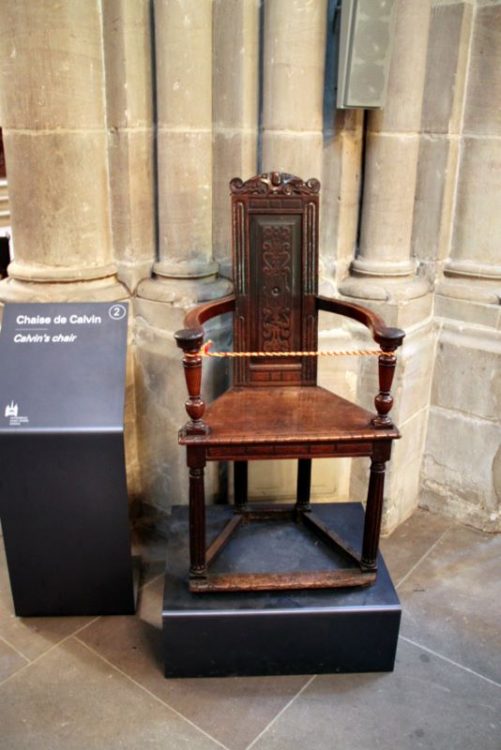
275	183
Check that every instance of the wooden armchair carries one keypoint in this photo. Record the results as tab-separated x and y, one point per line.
275	409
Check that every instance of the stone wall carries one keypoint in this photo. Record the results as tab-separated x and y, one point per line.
124	121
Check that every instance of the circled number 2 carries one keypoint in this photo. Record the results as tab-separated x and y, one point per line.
117	312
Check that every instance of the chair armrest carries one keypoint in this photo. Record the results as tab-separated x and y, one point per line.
190	339
200	314
388	338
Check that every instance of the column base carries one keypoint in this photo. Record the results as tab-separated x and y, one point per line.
108	289
398	268
185	269
470	288
35	272
472	269
132	273
184	291
385	288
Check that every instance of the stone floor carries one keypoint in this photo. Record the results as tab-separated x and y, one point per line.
85	683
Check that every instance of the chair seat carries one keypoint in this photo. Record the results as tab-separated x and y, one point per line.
308	414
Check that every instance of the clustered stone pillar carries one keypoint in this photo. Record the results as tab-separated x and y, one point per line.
98	203
53	114
461	472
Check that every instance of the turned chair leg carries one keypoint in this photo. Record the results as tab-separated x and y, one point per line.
240	484
374	509
198	563
303	484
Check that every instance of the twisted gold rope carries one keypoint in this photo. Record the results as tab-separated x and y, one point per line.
204	352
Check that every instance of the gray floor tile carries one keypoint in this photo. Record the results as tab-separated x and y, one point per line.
10	661
72	700
407	545
425	704
32	636
452	603
233	710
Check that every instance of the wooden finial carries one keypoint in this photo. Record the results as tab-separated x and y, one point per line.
190	340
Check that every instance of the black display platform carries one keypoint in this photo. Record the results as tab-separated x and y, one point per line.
280	632
63	492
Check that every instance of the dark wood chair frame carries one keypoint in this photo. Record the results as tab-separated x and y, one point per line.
275	259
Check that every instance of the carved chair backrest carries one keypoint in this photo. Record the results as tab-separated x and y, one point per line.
275	270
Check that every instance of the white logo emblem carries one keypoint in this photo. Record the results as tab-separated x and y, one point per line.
12	414
11	410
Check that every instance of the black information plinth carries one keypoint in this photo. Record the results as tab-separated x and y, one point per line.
63	494
281	632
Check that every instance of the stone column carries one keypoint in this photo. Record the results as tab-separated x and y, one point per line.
342	169
383	274
53	114
384	268
129	115
183	43
294	55
462	462
473	268
443	104
54	111
235	111
183	46
185	272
